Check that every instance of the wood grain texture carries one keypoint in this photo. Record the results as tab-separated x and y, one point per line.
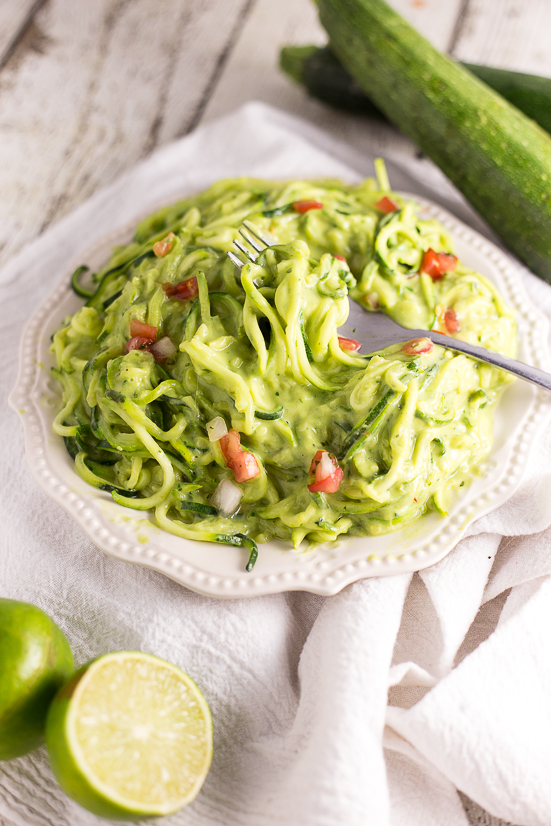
251	74
91	90
509	34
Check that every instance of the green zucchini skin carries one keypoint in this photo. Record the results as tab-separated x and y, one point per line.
529	93
496	156
325	78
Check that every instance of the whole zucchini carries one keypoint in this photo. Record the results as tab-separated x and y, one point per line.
325	78
493	153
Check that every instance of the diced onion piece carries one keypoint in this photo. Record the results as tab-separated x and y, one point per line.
162	248
226	497
325	467
315	462
216	428
163	348
140	328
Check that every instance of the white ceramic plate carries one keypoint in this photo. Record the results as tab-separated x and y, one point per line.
218	570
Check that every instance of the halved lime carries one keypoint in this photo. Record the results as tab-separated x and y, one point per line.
130	736
35	660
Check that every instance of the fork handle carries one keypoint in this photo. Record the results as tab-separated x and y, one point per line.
518	368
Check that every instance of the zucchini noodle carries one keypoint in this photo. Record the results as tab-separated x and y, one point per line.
256	352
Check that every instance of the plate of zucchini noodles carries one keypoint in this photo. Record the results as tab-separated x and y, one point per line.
208	420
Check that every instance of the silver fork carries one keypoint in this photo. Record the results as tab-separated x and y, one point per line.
376	331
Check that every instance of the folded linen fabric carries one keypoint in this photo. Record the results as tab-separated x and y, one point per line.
370	707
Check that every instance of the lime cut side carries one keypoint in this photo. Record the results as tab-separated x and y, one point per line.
137	733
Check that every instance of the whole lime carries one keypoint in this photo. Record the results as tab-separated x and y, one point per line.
35	660
130	736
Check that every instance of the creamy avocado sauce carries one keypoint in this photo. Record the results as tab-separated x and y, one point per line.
259	349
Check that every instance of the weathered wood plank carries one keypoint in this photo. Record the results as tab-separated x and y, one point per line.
94	88
511	34
252	71
212	27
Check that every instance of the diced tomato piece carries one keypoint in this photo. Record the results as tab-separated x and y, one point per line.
340	258
138	343
230	444
330	484
448	261
160	350
430	264
140	328
162	248
417	346
143	336
315	462
183	290
387	205
451	321
437	264
349	344
245	467
327	473
243	463
307	205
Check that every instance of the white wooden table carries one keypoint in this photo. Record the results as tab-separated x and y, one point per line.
90	87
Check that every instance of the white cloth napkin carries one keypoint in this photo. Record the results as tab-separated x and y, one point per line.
370	707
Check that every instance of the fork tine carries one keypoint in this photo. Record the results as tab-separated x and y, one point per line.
237	261
253	237
245	251
266	240
249	238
